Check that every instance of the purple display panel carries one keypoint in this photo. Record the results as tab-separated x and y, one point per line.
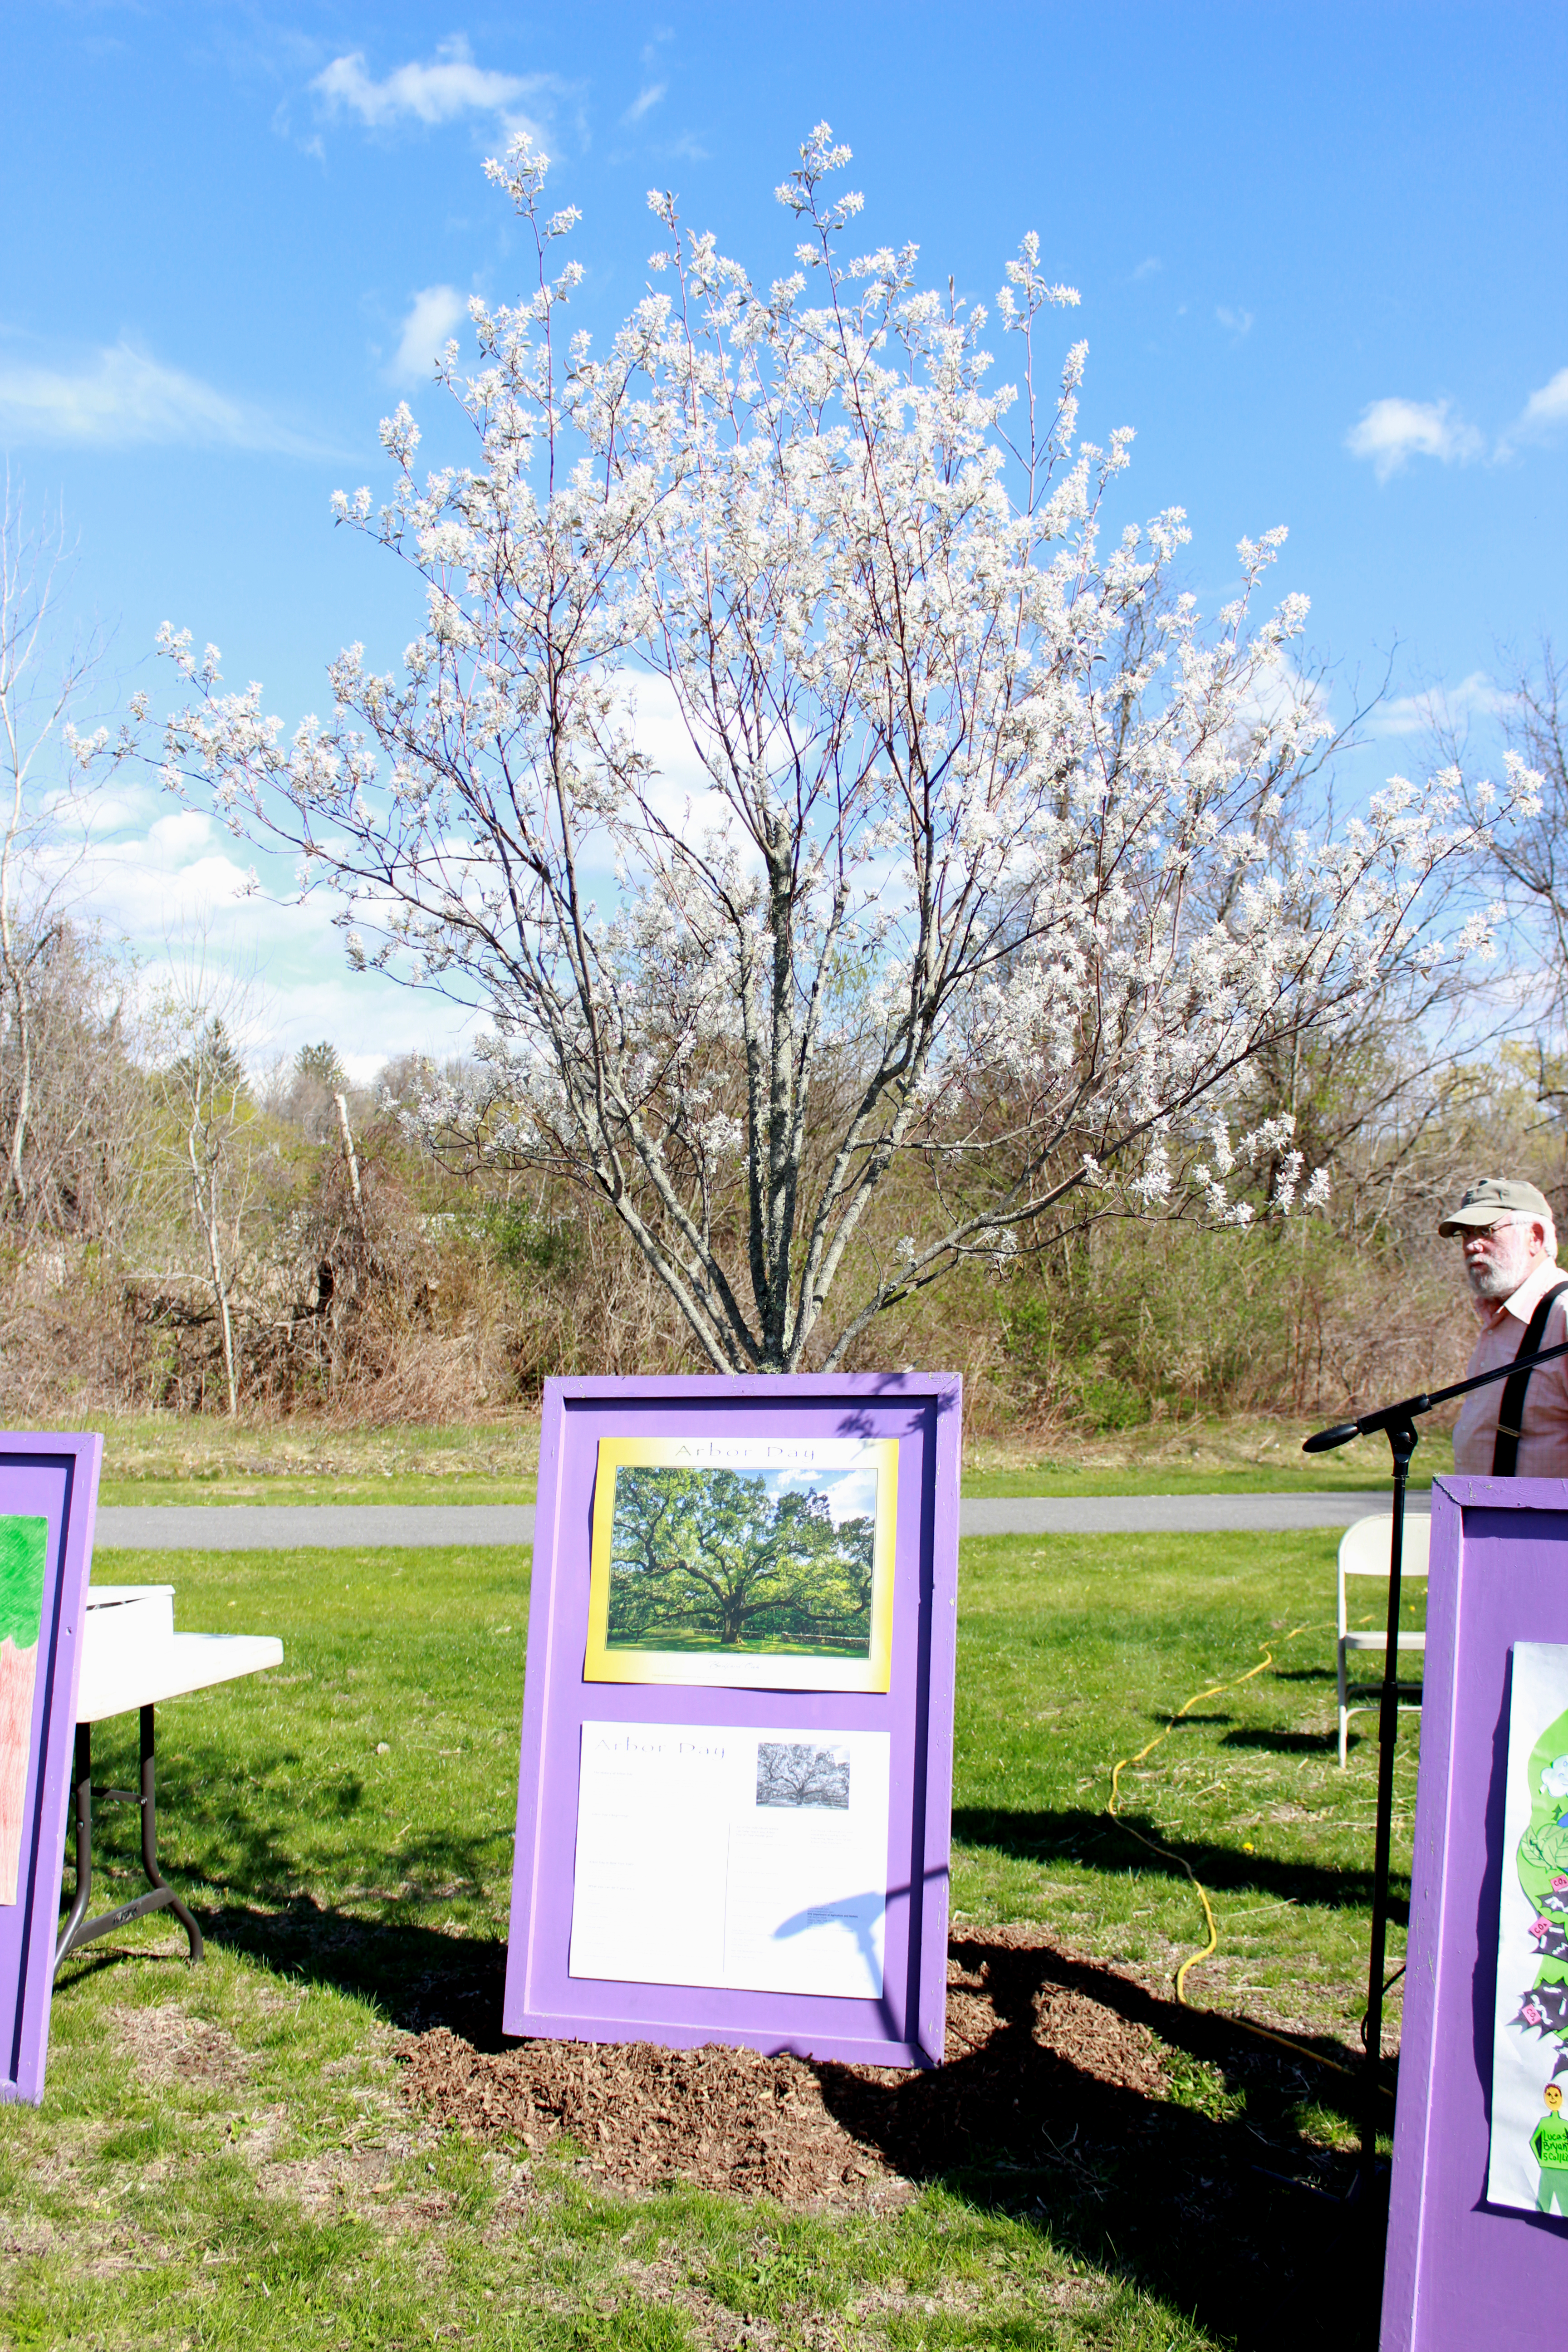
905	2025
1462	2273
55	1480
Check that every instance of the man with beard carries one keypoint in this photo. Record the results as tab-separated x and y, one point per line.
1519	1427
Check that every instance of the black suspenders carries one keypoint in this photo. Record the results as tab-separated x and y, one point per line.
1511	1412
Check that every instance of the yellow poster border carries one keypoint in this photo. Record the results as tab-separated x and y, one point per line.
769	1671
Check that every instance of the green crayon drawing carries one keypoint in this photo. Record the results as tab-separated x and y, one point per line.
23	1544
1544	1848
1541	1861
1549	2146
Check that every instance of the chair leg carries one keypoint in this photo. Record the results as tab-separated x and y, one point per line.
1345	1718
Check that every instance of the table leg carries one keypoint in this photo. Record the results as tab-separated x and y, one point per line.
81	1808
78	1928
150	1841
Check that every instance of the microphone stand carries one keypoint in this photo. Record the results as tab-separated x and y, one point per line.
1397	1422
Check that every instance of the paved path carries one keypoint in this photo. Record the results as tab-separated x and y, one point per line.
334	1526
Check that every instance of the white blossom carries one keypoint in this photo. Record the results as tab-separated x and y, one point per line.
976	866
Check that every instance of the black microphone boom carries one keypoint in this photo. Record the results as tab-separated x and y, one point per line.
1397	1422
1392	1416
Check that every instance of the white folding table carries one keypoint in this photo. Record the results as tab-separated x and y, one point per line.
131	1660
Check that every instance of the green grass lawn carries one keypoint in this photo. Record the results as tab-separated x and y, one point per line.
167	1459
222	2158
1236	1457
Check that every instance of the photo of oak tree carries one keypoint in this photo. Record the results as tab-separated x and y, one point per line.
727	1561
799	1772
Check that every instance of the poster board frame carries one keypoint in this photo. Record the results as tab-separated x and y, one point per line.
1460	2272
905	2026
54	1477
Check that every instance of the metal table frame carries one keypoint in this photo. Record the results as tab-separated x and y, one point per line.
78	1928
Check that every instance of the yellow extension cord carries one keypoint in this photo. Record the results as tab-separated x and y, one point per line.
1214	1690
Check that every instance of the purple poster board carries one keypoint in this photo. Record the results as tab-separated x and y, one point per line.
908	1725
48	1494
1461	2271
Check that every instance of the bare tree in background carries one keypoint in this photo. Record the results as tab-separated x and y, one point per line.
46	764
1530	860
201	1081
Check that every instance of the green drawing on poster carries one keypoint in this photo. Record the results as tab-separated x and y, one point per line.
23	1544
1549	2146
23	1547
1541	1859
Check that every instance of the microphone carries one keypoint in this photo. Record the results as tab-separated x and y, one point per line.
1323	1441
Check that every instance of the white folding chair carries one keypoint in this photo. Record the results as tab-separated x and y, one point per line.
1363	1551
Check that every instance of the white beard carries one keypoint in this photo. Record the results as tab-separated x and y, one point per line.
1500	1275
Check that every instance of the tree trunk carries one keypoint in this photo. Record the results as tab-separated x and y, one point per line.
16	972
349	1160
204	1190
15	1181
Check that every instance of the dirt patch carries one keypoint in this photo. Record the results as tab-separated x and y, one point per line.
808	2133
166	2044
723	2118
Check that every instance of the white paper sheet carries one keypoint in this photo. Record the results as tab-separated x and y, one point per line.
752	1860
1529	2037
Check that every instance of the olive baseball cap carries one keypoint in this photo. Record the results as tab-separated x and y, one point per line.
1493	1198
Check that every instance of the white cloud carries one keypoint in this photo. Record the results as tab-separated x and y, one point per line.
1280	701
644	101
1418	714
450	86
1238	321
681	790
1147	268
1391	432
1543	413
123	397
433	315
166	878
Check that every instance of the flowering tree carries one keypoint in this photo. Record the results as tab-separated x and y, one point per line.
983	872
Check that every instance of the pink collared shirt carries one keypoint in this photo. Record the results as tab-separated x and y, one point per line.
1543	1446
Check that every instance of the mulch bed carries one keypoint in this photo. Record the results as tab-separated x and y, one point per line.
1041	2045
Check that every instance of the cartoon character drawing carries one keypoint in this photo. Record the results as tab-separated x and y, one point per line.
1549	2146
23	1544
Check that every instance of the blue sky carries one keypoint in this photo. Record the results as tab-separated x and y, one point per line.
1320	252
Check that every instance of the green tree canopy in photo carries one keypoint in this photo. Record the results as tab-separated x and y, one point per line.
23	1544
710	1556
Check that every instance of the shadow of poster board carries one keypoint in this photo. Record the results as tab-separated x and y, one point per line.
735	1788
1465	2269
48	1493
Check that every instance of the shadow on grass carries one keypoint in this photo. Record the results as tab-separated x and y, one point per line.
1219	2198
1228	2207
1285	1743
417	1977
417	1974
1098	1843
